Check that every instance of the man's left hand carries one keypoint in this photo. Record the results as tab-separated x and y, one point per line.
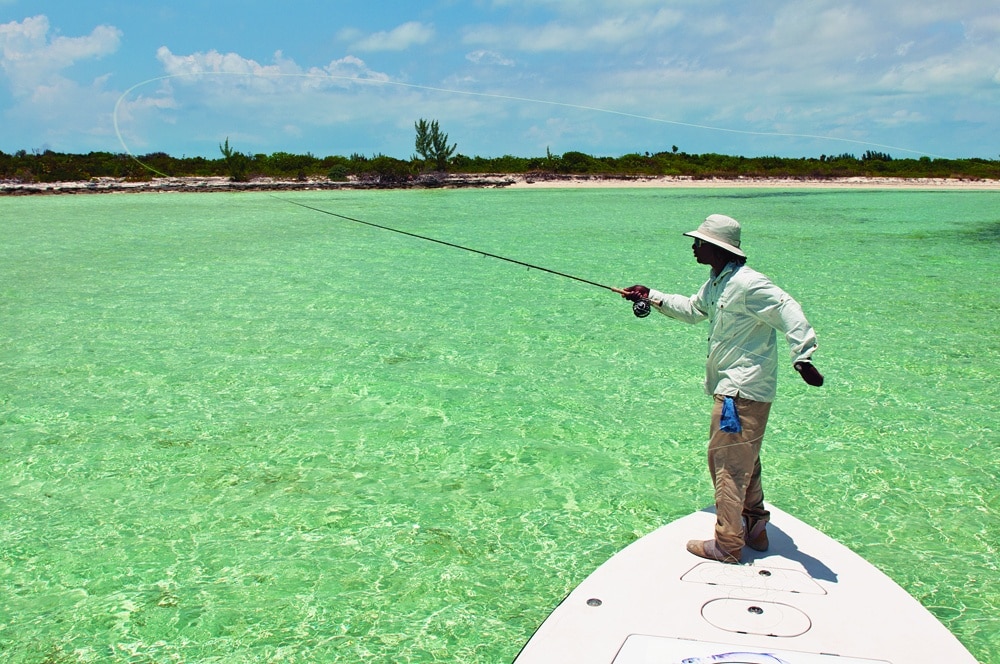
809	373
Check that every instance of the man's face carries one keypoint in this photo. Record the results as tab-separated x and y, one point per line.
703	251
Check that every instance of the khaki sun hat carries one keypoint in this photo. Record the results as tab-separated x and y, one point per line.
722	231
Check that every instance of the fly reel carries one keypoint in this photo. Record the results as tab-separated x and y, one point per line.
641	308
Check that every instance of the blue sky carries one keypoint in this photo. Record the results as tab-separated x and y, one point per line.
520	77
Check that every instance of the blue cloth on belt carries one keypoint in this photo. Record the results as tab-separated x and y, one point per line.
730	420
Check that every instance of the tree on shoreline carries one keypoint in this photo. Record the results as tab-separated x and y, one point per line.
237	163
432	144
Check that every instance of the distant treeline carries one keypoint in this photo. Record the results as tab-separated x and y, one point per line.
49	166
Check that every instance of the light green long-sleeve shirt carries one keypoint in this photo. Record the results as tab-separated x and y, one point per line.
745	310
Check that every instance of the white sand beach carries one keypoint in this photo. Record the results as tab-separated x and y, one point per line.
458	181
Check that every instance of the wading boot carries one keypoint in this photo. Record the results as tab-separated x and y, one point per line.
709	550
755	535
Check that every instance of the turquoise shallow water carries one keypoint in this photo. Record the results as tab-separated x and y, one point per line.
236	430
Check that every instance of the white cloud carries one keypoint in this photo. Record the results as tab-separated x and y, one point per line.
262	105
584	9
984	27
399	38
31	58
484	57
246	73
352	67
49	108
939	74
625	30
213	62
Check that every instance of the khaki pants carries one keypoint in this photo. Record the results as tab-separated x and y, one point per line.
734	464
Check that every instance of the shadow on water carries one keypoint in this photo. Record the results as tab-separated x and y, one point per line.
984	233
729	194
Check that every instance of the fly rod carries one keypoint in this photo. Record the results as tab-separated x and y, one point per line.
640	307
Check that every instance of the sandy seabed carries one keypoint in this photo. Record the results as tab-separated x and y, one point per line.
458	181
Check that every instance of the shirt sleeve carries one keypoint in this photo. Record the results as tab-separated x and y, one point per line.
681	307
780	310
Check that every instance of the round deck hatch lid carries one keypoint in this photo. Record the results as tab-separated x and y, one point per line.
753	617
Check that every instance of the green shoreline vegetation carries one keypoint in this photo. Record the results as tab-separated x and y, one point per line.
48	166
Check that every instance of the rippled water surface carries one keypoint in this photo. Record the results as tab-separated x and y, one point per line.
233	429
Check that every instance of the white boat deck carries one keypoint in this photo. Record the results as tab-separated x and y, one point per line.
807	600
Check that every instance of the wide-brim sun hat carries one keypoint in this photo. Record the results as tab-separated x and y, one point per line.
720	230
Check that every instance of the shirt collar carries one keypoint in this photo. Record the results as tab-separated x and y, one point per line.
731	266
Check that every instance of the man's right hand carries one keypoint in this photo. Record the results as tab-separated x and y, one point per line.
635	293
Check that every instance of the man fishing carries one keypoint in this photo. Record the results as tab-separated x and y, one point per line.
745	310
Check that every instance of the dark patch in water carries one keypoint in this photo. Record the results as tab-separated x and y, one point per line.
985	233
747	194
980	233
